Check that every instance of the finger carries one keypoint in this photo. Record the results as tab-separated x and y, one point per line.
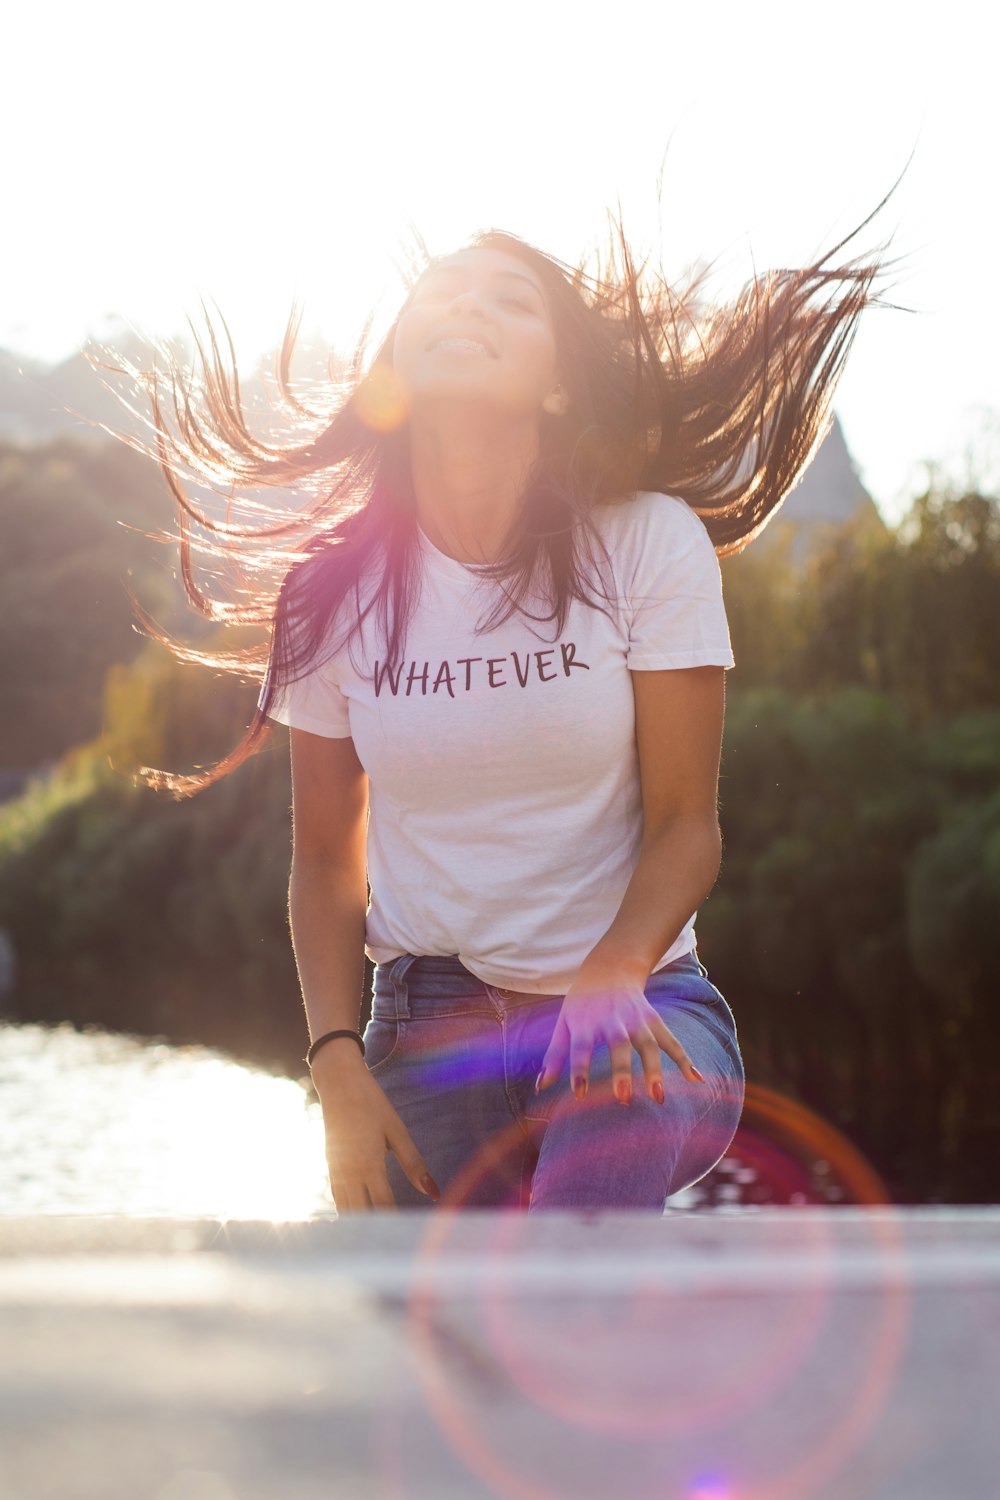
345	1196
620	1050
581	1049
358	1201
674	1048
347	1183
648	1048
380	1193
338	1190
411	1161
555	1057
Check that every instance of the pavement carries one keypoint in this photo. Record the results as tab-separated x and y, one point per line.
794	1353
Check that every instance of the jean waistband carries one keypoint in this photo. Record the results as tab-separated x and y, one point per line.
437	984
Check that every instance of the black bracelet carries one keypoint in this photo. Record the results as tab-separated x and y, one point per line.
327	1035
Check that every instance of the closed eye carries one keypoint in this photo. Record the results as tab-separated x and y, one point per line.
434	292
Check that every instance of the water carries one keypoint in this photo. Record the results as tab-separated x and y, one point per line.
100	1123
96	1122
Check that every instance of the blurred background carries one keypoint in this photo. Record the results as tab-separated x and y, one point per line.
151	1028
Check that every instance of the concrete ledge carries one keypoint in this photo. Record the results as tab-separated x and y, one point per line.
772	1354
561	1253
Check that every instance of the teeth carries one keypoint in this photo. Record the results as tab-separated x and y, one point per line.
461	344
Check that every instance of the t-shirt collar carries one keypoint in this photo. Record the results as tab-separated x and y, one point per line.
445	565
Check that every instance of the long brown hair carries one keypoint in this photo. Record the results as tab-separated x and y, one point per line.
666	394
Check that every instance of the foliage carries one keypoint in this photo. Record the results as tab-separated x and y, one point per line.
74	517
147	915
851	925
912	612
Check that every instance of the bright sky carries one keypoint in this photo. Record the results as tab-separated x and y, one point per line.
256	153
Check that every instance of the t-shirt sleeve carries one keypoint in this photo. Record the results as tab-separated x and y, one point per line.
674	605
315	702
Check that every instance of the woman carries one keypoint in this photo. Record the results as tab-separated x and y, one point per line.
502	668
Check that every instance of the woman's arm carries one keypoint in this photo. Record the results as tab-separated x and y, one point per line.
679	717
328	892
327	899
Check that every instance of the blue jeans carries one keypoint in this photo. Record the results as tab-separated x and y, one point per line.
457	1059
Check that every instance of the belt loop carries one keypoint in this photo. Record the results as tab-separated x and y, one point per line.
400	989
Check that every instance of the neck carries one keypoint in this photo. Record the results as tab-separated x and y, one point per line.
469	477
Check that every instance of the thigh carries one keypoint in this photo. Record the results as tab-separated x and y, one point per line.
698	1014
599	1153
444	1077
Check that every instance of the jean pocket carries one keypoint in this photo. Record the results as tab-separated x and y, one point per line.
707	991
382	1039
687	985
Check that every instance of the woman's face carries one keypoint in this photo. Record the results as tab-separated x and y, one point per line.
490	300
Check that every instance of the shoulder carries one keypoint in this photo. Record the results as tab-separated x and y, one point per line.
650	519
647	507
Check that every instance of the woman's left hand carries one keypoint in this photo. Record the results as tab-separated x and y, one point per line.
607	1004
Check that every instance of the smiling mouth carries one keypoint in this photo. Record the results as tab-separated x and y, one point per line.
466	346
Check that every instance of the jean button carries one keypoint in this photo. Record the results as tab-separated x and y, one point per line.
504	994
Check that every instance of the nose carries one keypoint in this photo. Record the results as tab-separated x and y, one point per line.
466	298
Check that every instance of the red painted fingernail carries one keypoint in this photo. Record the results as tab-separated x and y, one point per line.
579	1087
430	1186
656	1087
700	1076
623	1090
538	1080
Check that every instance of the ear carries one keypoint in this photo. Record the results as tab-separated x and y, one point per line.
556	402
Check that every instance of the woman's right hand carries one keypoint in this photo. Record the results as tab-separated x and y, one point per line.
360	1125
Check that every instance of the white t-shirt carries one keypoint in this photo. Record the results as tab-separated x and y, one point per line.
505	807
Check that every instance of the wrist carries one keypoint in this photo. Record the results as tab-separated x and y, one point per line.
336	1054
611	961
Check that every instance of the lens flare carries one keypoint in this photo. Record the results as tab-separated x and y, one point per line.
378	400
628	1369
